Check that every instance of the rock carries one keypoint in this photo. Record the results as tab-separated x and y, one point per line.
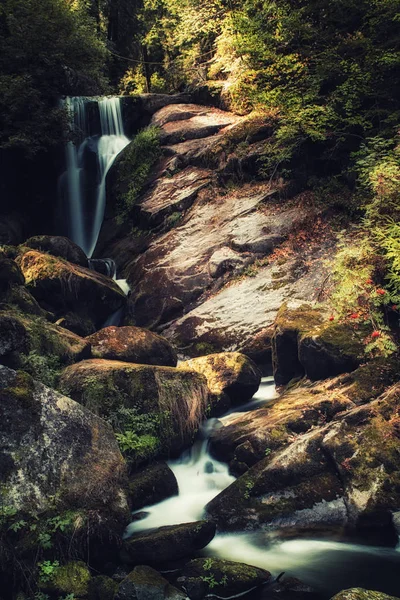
167	543
58	246
259	349
152	485
102	588
10	274
290	588
53	448
231	373
65	287
13	336
161	405
211	576
132	344
144	583
81	326
223	260
71	578
360	594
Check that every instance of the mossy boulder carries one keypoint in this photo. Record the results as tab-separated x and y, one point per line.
132	344
61	463
58	246
212	576
161	407
151	485
10	274
102	587
71	578
289	324
360	594
63	287
167	544
230	373
13	336
146	583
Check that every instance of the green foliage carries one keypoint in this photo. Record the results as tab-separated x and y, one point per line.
47	570
135	167
138	435
44	368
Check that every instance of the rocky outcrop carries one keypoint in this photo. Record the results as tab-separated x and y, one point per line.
229	373
161	407
340	473
132	344
59	246
61	287
151	485
210	576
146	583
167	544
57	460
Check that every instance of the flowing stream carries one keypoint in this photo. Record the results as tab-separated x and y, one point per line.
327	566
98	139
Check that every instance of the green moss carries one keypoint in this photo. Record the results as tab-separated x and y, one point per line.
102	588
300	319
21	390
346	339
370	380
72	578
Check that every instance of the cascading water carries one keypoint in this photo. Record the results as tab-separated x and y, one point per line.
82	187
328	566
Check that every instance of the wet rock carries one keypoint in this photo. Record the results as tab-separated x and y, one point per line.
259	349
161	405
52	447
71	578
289	588
231	373
360	594
59	246
65	287
167	543
132	344
152	485
144	583
79	325
204	576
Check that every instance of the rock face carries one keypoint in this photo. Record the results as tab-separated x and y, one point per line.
172	402
204	576
58	246
132	344
53	448
229	373
196	261
167	544
63	287
328	462
144	583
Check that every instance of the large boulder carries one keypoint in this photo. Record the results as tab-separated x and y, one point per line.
62	287
360	594
58	246
211	576
167	544
10	274
162	406
132	344
144	583
231	373
60	462
72	578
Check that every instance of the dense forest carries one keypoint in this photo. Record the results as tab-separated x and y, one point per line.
241	162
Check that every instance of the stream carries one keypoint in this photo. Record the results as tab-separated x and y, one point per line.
327	566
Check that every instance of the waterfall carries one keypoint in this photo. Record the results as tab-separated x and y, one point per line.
89	156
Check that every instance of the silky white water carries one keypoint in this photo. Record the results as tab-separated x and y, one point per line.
84	213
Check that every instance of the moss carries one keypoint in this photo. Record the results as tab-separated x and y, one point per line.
300	319
370	380
21	391
360	594
102	588
72	578
346	339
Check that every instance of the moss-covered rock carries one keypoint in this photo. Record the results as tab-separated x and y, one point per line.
10	274
151	485
64	287
230	373
132	344
157	410
71	578
360	594
167	543
102	587
212	576
61	462
144	582
13	336
58	246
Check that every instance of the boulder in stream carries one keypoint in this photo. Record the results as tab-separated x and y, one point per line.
144	583
167	544
132	344
151	485
226	579
361	594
